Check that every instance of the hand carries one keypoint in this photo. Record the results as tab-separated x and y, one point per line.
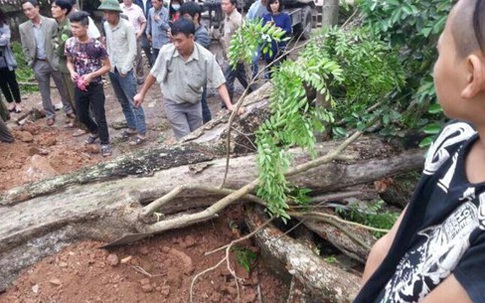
156	18
149	38
138	35
74	76
138	99
87	78
240	111
122	75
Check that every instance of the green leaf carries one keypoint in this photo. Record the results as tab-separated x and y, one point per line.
426	142
435	109
432	129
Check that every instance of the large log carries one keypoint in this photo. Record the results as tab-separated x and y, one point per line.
206	143
323	282
104	211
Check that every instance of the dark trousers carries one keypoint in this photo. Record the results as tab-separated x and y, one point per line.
231	74
145	46
95	98
156	51
9	85
206	112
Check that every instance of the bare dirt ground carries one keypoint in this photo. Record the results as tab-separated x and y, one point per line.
156	270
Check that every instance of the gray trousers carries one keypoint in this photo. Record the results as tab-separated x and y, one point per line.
184	117
43	73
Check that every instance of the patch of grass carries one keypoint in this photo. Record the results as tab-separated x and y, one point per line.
24	73
244	257
372	214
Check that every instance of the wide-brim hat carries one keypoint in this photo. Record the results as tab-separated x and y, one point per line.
110	5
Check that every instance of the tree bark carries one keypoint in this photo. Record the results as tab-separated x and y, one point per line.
106	210
323	282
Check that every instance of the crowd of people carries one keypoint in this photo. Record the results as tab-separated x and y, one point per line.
70	49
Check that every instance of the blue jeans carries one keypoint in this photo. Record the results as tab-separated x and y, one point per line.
125	90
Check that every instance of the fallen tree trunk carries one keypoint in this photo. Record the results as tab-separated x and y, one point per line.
104	211
322	282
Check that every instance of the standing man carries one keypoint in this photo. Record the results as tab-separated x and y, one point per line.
192	11
146	5
121	47
255	14
182	69
60	9
232	22
87	61
157	27
36	36
137	18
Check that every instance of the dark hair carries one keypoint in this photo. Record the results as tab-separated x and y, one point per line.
3	17
80	17
191	8
183	26
33	2
233	2
268	5
73	2
477	23
171	11
64	4
467	28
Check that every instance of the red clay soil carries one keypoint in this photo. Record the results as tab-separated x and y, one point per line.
159	269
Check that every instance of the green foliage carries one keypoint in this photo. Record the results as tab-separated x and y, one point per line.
244	256
371	71
386	62
412	29
293	122
23	72
371	215
248	37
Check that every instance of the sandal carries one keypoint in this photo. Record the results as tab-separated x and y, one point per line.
137	141
106	150
127	134
79	132
18	108
50	121
91	139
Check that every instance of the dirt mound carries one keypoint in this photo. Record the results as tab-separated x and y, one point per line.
160	269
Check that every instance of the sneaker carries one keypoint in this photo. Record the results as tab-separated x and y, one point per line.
106	150
91	139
